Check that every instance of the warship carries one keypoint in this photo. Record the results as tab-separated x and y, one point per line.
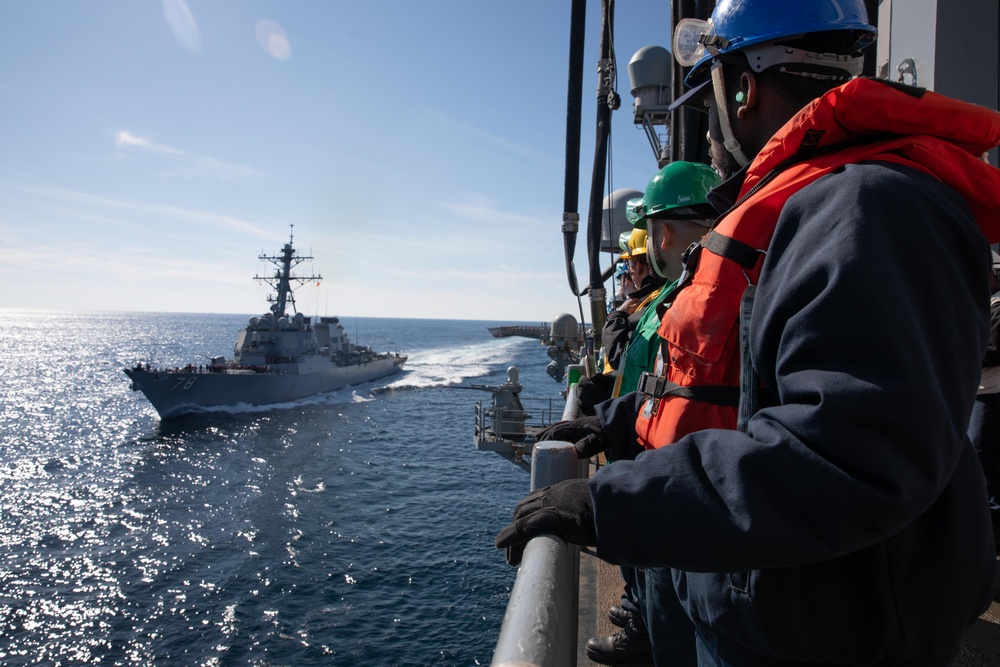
277	358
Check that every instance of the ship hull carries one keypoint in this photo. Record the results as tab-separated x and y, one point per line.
174	393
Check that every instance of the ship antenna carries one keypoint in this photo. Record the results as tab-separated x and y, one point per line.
282	279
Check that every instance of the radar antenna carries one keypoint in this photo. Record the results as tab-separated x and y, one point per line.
282	279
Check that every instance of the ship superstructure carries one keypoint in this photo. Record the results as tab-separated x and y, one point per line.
277	358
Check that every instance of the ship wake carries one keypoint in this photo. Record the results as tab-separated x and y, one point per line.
450	366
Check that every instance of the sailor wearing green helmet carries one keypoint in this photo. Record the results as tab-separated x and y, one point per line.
675	213
676	207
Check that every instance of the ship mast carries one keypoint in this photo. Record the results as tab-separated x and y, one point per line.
282	279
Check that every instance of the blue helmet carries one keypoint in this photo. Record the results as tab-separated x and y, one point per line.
737	25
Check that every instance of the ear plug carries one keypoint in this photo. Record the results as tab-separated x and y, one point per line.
741	97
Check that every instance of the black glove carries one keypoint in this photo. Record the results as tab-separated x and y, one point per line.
564	509
594	390
586	434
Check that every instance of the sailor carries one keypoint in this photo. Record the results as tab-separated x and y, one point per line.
640	288
845	521
622	320
675	200
672	214
675	213
622	281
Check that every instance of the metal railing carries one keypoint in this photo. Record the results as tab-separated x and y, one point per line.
540	624
509	431
537	413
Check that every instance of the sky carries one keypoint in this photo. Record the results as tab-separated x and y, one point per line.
151	151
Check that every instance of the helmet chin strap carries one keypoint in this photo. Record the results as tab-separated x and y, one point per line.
653	253
729	140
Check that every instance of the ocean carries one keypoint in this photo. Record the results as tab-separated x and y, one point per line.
351	528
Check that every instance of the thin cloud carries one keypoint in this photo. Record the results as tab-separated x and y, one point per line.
88	201
483	212
473	223
187	163
512	147
126	138
97	261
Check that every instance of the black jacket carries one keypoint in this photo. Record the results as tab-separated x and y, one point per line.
850	524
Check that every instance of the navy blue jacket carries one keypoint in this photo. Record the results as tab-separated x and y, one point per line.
850	523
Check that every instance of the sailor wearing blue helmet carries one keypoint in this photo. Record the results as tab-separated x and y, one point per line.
807	486
752	28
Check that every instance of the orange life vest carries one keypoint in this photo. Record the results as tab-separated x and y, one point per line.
695	386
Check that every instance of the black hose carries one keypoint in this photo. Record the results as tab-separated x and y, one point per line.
574	104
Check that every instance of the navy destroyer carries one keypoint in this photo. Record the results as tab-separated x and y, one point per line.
276	359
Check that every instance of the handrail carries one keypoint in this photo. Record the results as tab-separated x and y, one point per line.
540	625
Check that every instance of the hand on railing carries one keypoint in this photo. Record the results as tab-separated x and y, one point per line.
564	509
586	434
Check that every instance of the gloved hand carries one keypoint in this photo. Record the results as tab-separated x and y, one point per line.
594	390
586	434
564	509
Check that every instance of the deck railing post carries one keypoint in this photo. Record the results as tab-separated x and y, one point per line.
540	625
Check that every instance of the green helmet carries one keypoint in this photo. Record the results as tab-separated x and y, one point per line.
678	190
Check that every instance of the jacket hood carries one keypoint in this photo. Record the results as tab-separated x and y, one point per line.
949	138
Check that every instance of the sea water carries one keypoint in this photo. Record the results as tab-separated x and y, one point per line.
351	528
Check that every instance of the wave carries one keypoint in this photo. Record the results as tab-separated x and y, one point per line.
449	366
